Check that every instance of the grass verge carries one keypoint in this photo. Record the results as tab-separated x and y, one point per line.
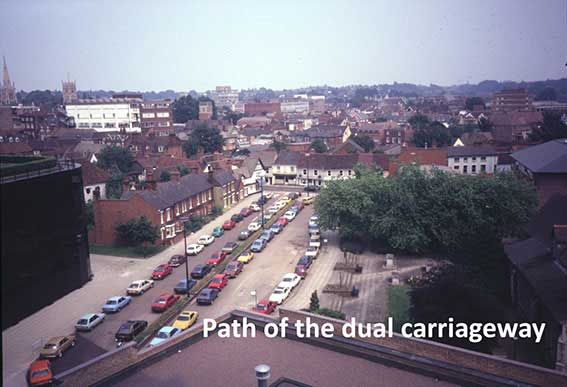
399	305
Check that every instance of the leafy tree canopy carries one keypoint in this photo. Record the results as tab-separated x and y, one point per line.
165	176
364	141
111	156
551	128
278	145
431	133
208	139
137	231
319	146
471	102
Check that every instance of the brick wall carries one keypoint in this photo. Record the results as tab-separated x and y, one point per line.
548	185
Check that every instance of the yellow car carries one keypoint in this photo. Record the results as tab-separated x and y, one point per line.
186	319
246	257
308	200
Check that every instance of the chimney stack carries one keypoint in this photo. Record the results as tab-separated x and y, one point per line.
210	171
262	374
150	182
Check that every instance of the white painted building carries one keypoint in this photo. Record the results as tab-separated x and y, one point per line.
106	114
298	105
472	160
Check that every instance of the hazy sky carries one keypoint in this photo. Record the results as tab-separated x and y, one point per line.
184	45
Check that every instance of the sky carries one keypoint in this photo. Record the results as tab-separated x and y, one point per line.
196	45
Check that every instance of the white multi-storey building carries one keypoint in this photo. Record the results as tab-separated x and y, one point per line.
472	160
106	114
298	105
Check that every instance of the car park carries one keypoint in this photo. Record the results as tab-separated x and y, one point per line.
234	268
206	240
245	212
182	288
229	247
312	251
289	215
216	258
176	260
186	319
219	281
161	271
267	235
229	224
164	334
194	248
279	295
129	330
164	302
246	256
139	287
301	271
243	235
305	261
207	296
56	346
200	271
39	373
116	304
258	245
276	228
89	321
254	226
218	232
265	307
237	218
290	280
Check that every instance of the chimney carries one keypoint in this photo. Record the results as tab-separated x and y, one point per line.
150	182
210	171
262	374
175	175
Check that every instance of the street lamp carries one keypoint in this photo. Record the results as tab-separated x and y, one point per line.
307	157
255	295
261	182
185	219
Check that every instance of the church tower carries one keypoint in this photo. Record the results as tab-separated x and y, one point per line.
69	91
7	89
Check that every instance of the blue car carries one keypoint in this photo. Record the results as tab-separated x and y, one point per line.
115	304
182	288
200	271
305	261
207	296
164	334
276	228
258	245
267	235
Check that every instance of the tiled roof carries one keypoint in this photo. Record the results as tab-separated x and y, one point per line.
463	151
328	161
93	174
14	148
287	158
223	177
549	157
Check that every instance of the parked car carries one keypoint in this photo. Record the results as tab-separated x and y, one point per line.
116	304
299	205
276	228
229	247
194	248
290	215
279	295
273	210
263	200
234	268
314	218
245	212
308	200
265	307
129	330
267	216
216	258
139	287
207	296
218	231
312	251
282	221
219	281
237	218
182	288
161	271
246	256
301	270
206	240
164	302
55	346
255	207
39	373
267	235
258	245
315	241
268	195
200	271
312	188
293	195
176	260
89	321
305	261
229	224
254	226
164	334
186	319
243	235
290	280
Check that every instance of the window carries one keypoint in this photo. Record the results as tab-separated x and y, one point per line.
457	159
349	172
292	169
483	158
305	171
161	217
177	209
465	159
168	214
315	172
474	159
198	199
473	169
88	190
328	173
456	167
465	168
483	168
341	173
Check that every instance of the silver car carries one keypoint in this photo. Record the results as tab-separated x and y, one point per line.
115	304
89	321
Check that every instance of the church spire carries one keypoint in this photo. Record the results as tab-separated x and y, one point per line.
7	89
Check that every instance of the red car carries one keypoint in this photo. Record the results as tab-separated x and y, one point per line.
229	224
164	302
283	221
233	269
301	271
245	212
219	281
40	373
216	258
265	307
161	271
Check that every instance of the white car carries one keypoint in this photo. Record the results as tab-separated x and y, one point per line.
164	334
194	248
206	240
314	219
272	210
254	207
279	295
254	226
315	241
269	195
290	215
139	287
312	251
89	321
290	280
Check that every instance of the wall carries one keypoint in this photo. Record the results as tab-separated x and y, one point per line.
548	185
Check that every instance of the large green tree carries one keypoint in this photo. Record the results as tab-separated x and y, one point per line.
46	98
278	146
430	134
115	156
202	136
137	231
364	141
319	146
471	102
187	108
551	128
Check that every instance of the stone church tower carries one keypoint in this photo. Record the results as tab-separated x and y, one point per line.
7	89
69	91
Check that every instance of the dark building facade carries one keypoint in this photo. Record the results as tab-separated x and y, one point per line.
45	252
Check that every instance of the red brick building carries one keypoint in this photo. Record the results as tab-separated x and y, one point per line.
262	108
156	116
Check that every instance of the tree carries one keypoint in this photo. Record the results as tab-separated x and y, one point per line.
209	139
233	117
319	146
136	232
279	146
551	128
46	98
184	109
90	215
485	125
183	170
114	186
364	141
190	148
314	302
547	94
115	156
471	102
419	121
434	133
165	176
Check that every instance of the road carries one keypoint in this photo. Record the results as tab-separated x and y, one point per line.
261	275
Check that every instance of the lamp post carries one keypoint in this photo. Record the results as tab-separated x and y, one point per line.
261	182
185	219
307	157
255	295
